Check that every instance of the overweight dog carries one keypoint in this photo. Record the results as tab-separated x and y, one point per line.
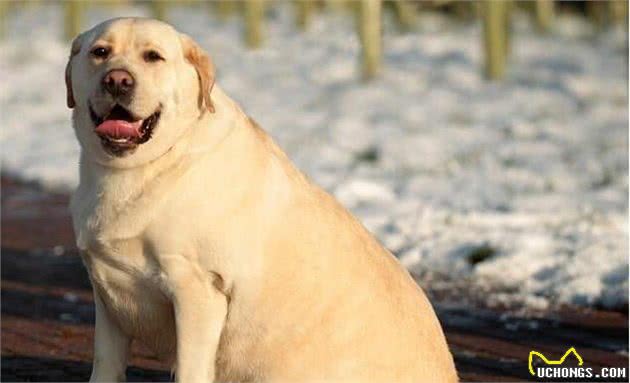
205	243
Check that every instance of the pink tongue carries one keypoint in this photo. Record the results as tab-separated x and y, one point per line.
119	128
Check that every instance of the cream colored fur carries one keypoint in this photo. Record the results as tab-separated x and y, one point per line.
210	247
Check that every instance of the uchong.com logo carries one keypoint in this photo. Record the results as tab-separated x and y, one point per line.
570	366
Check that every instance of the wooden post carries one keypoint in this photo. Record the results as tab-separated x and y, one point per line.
335	5
73	18
159	9
465	10
254	18
510	6
304	10
476	9
225	8
405	14
369	24
618	10
29	4
545	14
4	10
115	3
596	11
496	39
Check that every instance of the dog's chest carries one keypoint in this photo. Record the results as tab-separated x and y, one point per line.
130	286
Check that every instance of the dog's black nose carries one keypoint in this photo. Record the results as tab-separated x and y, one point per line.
118	82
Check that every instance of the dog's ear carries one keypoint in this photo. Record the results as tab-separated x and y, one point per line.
205	70
76	48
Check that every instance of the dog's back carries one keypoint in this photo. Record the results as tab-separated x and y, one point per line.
332	303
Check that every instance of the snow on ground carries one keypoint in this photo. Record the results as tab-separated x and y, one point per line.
519	187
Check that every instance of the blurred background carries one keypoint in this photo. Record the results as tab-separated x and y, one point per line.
485	143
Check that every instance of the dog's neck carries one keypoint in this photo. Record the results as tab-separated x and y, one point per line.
205	135
124	191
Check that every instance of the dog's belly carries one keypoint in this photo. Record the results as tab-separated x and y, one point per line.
137	305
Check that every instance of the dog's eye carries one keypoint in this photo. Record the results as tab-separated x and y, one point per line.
100	52
152	56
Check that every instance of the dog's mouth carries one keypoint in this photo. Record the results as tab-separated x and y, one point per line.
120	131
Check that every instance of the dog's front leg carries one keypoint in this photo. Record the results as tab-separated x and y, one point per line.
200	311
111	347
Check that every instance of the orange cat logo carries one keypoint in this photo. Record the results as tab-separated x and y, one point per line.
553	362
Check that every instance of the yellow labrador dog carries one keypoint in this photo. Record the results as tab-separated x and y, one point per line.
204	242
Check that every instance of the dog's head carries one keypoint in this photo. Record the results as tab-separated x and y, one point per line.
135	85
